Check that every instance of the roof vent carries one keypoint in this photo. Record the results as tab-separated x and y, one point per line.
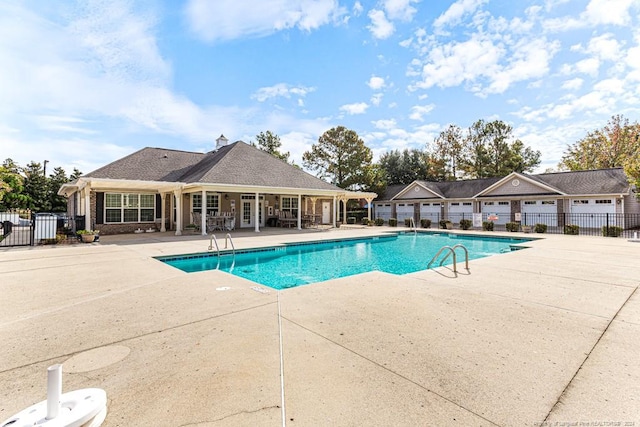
221	142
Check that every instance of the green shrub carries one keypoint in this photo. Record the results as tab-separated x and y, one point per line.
512	226
611	231
445	224
407	222
393	222
365	220
572	229
379	221
351	220
540	228
425	223
465	224
487	225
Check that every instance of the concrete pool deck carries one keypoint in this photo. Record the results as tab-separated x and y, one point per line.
542	336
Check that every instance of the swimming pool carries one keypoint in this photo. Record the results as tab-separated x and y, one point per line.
296	264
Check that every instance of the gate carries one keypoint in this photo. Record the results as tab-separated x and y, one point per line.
16	228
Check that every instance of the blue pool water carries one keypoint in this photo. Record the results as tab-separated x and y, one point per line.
298	264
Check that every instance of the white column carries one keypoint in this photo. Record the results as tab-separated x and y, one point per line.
369	200
163	207
203	214
344	210
335	213
87	208
257	214
299	211
178	196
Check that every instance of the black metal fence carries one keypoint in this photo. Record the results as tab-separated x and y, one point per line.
26	228
603	224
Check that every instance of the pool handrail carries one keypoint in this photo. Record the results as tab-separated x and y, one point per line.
452	251
213	240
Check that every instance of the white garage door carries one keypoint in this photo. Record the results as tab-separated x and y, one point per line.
382	210
501	209
460	210
430	211
592	213
539	212
404	210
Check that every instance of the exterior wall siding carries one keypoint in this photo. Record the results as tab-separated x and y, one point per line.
507	189
420	194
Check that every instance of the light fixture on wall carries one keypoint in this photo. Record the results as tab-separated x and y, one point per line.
226	197
618	201
277	197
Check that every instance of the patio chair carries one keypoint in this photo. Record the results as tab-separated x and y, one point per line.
197	219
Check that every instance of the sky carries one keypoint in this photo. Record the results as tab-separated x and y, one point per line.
85	83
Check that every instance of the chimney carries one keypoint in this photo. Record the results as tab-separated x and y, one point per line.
221	142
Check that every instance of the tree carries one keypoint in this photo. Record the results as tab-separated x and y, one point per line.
54	182
11	187
270	143
404	167
448	152
341	157
487	151
617	144
35	187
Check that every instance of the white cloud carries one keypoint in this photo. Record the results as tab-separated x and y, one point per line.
281	90
376	99
380	27
452	63
356	108
385	124
614	12
376	83
456	12
529	59
357	8
400	9
597	12
418	111
588	66
573	84
232	19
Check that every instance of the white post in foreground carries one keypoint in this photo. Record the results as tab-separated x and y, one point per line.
54	390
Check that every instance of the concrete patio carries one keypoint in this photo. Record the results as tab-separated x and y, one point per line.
542	336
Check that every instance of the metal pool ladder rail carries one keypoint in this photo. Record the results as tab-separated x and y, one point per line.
451	251
412	223
213	240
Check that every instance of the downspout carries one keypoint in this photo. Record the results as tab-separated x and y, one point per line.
257	214
334	211
299	212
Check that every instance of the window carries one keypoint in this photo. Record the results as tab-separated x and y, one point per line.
213	203
603	202
580	202
548	202
455	204
488	203
129	207
530	202
466	204
503	203
426	204
290	204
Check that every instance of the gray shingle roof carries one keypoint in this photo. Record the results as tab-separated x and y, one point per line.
149	164
242	164
236	164
600	181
